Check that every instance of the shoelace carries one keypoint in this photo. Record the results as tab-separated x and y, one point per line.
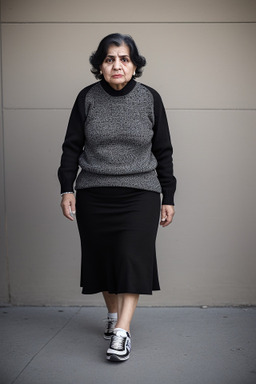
110	324
117	342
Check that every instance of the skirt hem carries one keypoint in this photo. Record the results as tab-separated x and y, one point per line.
85	292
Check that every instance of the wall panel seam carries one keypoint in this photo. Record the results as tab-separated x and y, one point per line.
126	22
4	218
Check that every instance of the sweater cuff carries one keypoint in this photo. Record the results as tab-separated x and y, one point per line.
66	193
67	187
168	198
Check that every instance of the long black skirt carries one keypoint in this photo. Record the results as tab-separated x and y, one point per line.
118	228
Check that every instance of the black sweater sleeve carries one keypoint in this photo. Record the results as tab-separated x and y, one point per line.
73	145
163	151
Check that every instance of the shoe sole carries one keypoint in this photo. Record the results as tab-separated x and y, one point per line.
116	358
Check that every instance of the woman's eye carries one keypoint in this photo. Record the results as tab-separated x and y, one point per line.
125	60
109	60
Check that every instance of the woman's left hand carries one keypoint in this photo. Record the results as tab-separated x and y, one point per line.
167	213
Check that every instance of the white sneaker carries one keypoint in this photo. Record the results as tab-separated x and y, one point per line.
120	346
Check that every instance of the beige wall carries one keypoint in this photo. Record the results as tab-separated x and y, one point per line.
202	59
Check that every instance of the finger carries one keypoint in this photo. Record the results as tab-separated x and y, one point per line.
67	213
167	215
73	207
66	209
164	221
170	216
163	214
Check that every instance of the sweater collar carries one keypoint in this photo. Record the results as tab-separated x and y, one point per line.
124	91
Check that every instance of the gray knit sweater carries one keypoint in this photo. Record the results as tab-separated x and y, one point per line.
118	138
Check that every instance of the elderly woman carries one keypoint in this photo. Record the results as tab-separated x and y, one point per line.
118	134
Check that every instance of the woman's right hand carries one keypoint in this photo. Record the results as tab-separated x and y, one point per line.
68	205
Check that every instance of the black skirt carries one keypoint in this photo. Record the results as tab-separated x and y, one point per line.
118	228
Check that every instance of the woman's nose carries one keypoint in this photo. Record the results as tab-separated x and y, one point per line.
117	64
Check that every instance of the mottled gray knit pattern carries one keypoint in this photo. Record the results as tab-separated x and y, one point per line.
118	134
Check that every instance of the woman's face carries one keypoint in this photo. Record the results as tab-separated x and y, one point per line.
117	67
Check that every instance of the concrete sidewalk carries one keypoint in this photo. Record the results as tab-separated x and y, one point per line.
45	345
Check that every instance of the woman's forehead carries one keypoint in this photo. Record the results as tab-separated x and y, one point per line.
122	50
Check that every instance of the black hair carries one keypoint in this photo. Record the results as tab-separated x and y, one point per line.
97	57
